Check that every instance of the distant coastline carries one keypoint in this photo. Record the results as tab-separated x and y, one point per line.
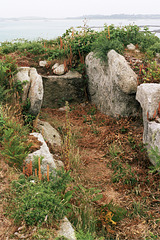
113	16
33	28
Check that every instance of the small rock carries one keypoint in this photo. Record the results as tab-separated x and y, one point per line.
66	230
55	66
42	63
131	47
21	236
62	109
60	70
158	55
137	51
21	228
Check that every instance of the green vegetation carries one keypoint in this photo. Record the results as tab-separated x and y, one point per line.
44	201
155	155
73	46
39	202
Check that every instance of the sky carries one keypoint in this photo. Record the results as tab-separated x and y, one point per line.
74	8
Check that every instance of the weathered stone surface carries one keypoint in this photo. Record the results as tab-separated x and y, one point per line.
59	164
58	89
42	63
66	230
59	69
153	138
148	94
36	92
112	87
49	133
23	76
131	47
43	152
33	89
55	66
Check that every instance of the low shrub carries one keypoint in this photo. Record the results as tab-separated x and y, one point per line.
40	202
103	45
15	146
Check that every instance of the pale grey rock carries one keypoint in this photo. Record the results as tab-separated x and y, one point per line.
59	164
23	75
112	87
66	230
36	92
59	70
49	133
62	109
32	89
148	95
157	55
59	89
42	63
55	66
43	152
131	47
153	139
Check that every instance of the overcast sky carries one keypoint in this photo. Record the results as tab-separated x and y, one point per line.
73	8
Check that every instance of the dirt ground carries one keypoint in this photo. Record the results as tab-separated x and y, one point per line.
102	141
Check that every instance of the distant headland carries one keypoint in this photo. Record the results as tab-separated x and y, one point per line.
113	16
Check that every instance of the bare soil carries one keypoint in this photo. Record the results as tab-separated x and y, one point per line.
95	133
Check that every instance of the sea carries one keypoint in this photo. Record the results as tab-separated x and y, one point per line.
51	28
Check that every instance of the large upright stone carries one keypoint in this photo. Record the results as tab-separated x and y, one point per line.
24	78
32	88
58	89
148	94
112	87
36	92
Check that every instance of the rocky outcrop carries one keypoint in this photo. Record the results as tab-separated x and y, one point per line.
32	88
112	87
66	230
148	94
47	158
53	139
58	89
